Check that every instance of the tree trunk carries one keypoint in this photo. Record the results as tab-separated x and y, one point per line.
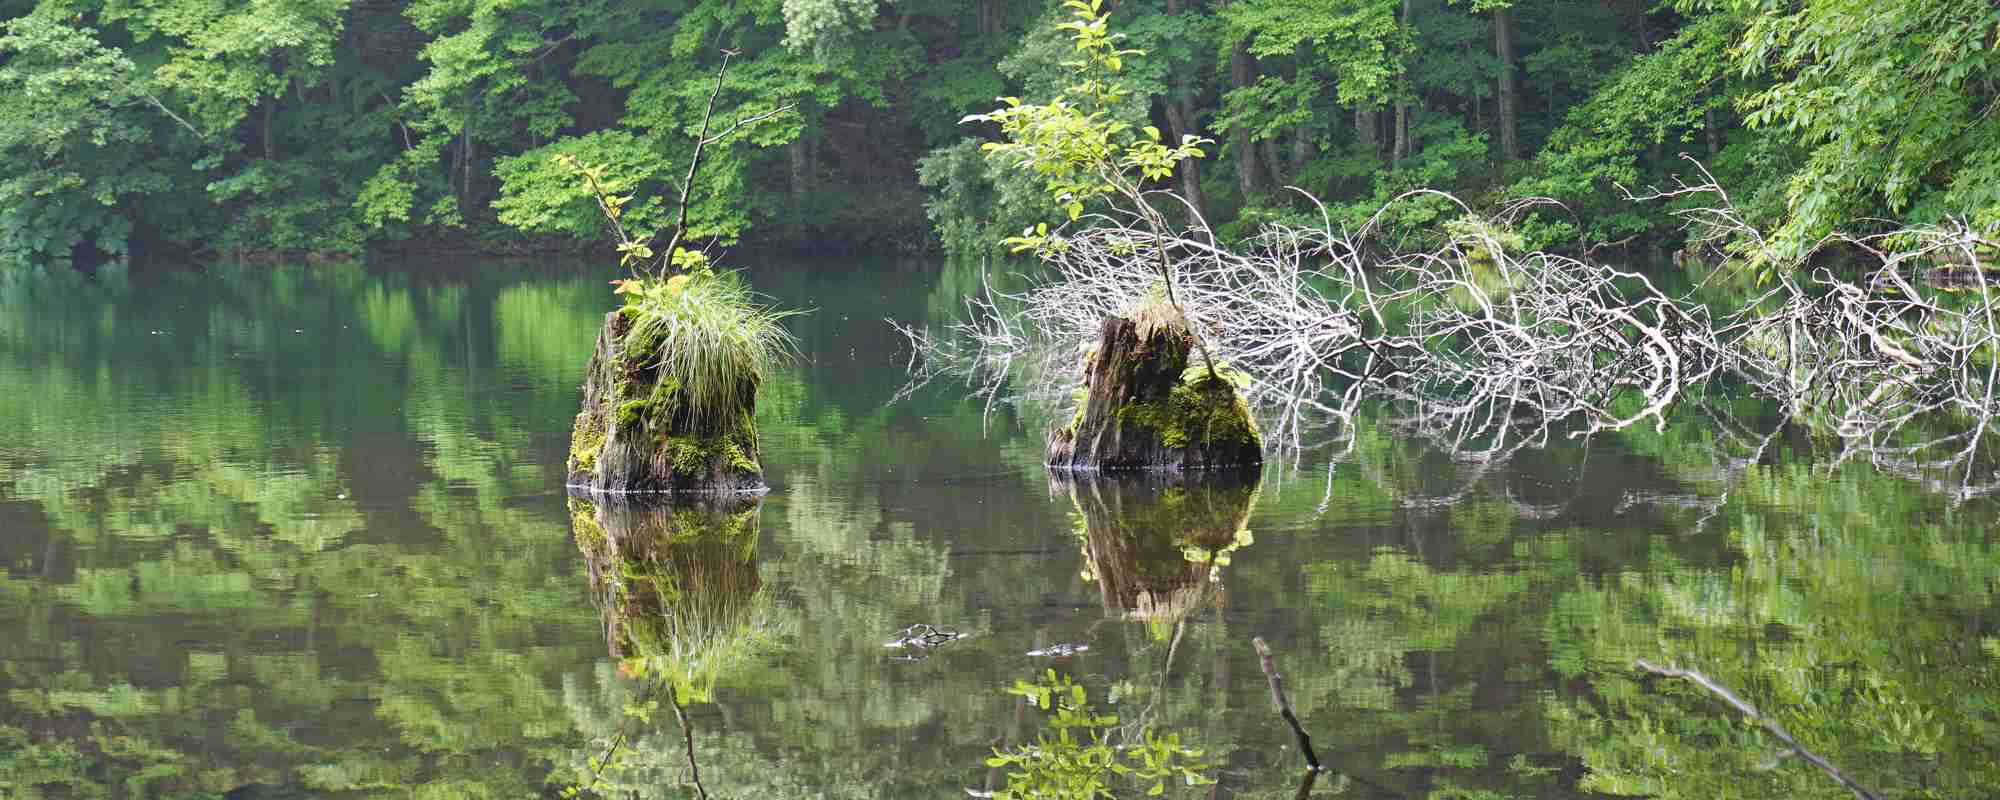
1189	170
1143	408
1302	151
797	153
1708	131
1243	73
471	153
1510	97
1365	133
1402	146
812	156
1271	162
1645	36
1180	123
270	131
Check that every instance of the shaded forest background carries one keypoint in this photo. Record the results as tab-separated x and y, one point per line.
279	128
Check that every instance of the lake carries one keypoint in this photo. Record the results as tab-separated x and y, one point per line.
301	531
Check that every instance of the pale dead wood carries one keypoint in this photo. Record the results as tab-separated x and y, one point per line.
1770	726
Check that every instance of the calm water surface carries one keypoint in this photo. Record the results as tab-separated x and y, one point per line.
301	532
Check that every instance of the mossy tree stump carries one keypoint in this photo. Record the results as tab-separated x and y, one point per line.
1146	404
635	433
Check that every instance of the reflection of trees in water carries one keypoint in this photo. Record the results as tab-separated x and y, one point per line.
356	589
254	497
1153	544
1865	629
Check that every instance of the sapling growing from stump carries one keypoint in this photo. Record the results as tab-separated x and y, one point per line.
1083	156
670	395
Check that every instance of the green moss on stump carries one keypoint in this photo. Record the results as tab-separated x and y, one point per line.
585	441
634	433
1200	410
1146	404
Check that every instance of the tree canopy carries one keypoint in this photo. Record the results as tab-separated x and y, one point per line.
339	126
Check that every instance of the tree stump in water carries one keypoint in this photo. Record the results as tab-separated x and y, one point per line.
635	434
1146	405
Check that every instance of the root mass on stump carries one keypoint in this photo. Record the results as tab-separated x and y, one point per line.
1146	404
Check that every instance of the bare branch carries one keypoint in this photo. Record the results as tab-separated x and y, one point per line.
701	142
1495	350
1770	726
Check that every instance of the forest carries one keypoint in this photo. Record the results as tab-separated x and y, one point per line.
1572	399
287	128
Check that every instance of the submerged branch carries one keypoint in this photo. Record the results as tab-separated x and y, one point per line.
1770	726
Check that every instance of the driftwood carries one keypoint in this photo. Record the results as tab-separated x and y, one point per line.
1770	726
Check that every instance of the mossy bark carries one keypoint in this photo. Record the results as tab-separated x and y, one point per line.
634	434
1150	543
1146	405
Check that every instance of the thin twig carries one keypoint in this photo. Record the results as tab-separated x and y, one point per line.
701	142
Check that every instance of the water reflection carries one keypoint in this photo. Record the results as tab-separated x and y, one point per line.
676	584
1155	545
682	603
311	537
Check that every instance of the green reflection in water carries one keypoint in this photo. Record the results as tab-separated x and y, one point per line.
302	530
1154	545
677	586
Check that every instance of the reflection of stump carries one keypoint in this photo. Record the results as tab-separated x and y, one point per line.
1150	544
1147	405
635	432
677	585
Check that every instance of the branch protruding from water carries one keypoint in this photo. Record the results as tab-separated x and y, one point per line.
1284	705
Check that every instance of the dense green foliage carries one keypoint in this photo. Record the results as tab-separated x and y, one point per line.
335	126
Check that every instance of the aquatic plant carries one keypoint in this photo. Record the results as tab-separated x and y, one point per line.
1091	753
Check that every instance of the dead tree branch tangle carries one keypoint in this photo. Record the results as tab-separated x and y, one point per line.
1487	350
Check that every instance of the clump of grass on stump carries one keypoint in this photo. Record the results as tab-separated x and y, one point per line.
711	337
